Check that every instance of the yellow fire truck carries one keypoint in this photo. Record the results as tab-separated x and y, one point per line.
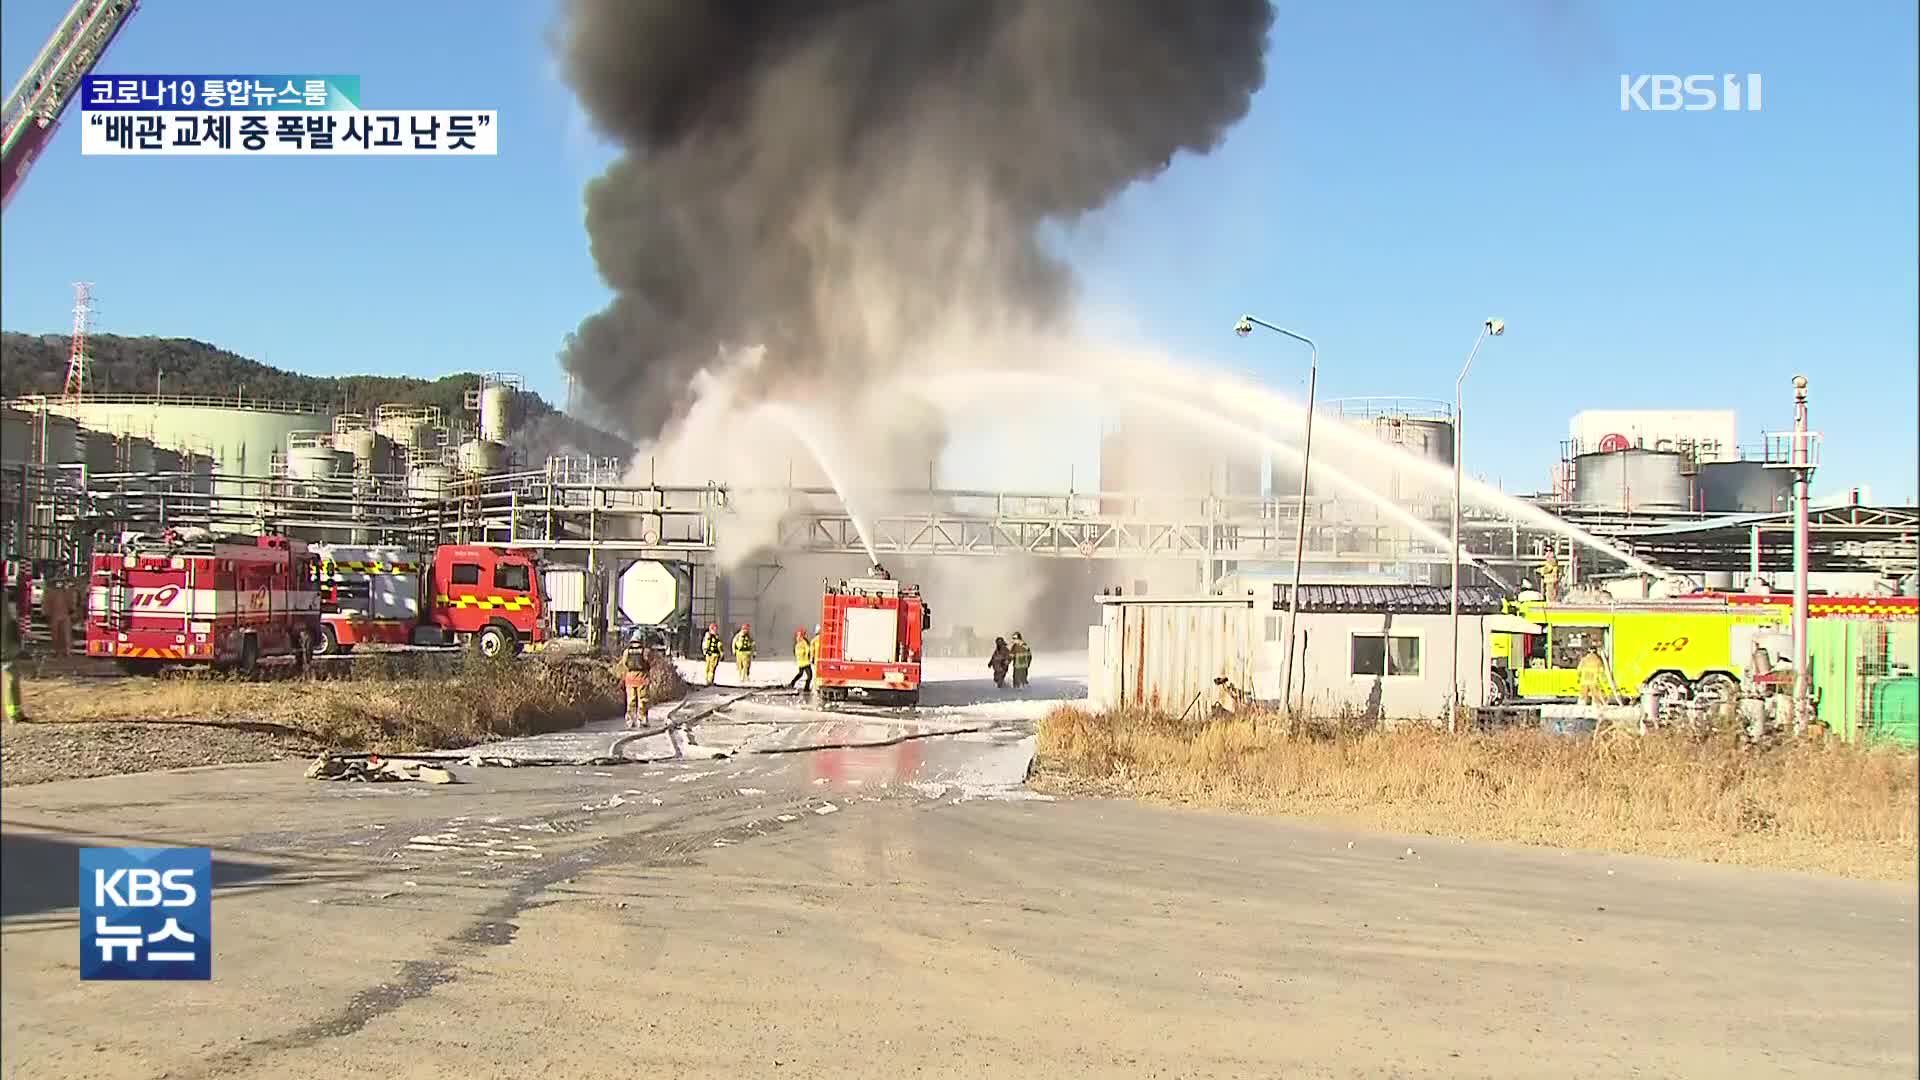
1679	647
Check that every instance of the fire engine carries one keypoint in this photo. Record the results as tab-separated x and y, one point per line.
190	596
870	632
1697	644
487	598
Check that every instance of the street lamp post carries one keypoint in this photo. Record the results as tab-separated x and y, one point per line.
1490	328
1243	328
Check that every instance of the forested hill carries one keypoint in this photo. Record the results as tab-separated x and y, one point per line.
184	367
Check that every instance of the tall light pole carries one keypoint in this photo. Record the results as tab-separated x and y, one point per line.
1243	328
1802	487
1490	328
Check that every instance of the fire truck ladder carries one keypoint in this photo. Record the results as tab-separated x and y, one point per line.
119	600
33	108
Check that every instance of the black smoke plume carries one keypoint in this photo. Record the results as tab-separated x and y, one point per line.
842	180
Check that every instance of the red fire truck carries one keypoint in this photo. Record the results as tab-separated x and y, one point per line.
190	596
870	630
488	598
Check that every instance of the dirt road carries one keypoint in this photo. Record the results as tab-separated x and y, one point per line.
904	910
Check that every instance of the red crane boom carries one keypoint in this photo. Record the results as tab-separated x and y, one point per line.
33	108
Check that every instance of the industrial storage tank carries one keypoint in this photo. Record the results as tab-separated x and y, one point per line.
168	461
136	454
102	451
1419	427
478	457
53	439
429	482
317	461
16	436
243	435
1632	480
496	411
372	452
414	429
200	467
1743	487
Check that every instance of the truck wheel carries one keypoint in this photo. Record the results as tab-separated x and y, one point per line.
302	652
1497	689
1716	689
1669	687
492	643
249	656
329	643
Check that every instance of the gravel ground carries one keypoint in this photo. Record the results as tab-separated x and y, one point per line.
34	753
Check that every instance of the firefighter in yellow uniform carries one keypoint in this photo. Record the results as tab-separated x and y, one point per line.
636	664
710	650
743	651
802	662
1593	678
1549	572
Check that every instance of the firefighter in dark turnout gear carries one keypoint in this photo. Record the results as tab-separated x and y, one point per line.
636	664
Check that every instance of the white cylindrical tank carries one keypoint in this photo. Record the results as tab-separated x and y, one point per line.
409	428
372	452
496	412
429	482
311	463
478	457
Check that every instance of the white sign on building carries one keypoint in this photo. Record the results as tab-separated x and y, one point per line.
1712	433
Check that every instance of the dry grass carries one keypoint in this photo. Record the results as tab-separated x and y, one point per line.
394	703
1810	806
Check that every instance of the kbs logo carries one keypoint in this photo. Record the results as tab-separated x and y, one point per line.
1689	93
146	913
156	599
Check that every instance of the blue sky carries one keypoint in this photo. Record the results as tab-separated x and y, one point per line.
1409	170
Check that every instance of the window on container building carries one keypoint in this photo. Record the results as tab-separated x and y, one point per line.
1385	654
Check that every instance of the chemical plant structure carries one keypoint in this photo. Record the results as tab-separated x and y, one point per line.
617	549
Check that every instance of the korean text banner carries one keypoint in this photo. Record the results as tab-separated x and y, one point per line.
215	93
358	133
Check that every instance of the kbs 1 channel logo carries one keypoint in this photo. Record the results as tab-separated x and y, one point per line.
146	913
267	115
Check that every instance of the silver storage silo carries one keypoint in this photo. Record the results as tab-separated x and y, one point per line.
1632	480
478	457
496	411
1744	487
